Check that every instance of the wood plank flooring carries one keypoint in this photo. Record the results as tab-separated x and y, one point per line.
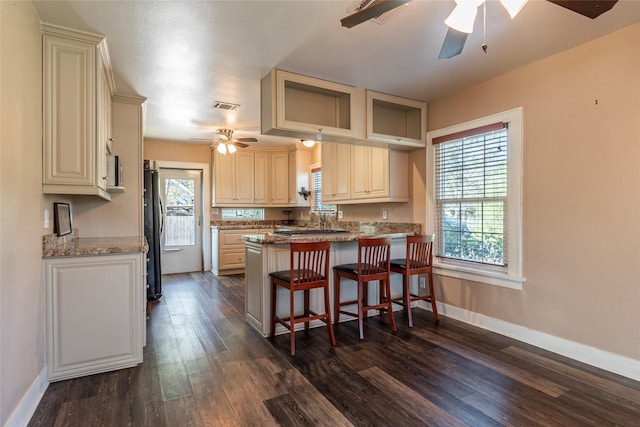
204	366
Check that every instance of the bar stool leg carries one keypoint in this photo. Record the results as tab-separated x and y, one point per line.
291	323
336	298
433	298
306	309
406	291
273	307
392	320
327	310
360	309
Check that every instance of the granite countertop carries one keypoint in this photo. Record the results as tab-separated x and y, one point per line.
356	231
240	225
53	246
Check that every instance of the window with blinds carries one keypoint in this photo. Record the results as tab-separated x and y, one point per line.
316	192
471	195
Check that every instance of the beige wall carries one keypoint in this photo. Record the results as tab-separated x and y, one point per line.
176	151
21	289
581	193
122	216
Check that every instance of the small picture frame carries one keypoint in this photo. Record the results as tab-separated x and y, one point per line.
61	218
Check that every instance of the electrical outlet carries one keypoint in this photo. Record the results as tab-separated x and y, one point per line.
422	281
46	218
385	214
340	214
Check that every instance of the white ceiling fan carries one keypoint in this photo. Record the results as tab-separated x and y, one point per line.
226	143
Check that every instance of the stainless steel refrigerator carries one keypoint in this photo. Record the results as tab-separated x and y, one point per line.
153	224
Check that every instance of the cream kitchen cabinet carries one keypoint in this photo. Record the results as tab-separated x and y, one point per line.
308	108
336	167
369	172
361	174
396	120
299	176
95	314
227	249
279	179
77	90
234	177
261	178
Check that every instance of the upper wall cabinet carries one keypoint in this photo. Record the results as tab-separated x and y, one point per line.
396	120
77	108
308	108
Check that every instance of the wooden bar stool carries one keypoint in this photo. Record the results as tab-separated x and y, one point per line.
417	261
309	269
373	264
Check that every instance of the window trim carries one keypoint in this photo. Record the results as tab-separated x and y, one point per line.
511	276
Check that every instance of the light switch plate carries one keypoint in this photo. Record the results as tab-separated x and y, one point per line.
46	218
340	214
385	214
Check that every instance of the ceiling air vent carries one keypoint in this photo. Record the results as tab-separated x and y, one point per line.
228	106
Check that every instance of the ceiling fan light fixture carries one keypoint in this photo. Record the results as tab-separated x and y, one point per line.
513	6
222	148
463	15
232	148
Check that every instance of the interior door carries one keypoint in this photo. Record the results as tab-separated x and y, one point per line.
181	240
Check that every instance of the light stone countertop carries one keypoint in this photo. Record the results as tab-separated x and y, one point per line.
57	247
272	239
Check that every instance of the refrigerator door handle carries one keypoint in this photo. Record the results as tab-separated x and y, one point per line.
161	216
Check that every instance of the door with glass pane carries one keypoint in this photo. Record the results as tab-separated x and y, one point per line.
182	235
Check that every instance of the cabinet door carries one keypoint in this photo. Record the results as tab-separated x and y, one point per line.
104	127
280	178
69	113
225	178
94	310
261	191
378	172
369	172
245	176
360	172
336	167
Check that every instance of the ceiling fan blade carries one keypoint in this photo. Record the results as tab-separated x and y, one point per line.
453	43
588	8
240	144
245	140
376	9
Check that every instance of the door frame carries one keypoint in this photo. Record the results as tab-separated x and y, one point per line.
206	203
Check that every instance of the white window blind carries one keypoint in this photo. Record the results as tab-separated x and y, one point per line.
471	195
316	191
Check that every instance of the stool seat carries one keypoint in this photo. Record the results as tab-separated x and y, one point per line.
402	263
372	265
298	276
309	269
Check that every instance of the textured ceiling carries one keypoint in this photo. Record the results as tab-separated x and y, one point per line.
184	55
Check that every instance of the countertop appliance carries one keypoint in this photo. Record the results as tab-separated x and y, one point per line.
153	225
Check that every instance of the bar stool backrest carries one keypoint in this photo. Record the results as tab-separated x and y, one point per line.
373	256
309	261
419	252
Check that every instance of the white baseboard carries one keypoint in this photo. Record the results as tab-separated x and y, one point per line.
27	406
608	361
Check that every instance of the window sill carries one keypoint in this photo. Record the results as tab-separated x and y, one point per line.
495	278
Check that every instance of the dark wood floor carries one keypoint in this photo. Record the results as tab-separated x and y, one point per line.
204	366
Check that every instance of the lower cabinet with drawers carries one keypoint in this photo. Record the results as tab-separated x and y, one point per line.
227	249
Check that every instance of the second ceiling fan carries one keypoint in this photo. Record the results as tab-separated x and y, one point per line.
463	16
227	143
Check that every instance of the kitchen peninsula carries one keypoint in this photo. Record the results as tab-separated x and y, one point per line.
269	252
